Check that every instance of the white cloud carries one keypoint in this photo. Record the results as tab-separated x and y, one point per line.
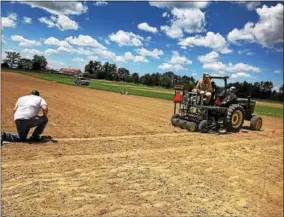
65	23
252	5
240	75
9	21
78	60
123	38
50	51
146	27
176	62
168	66
129	56
211	62
244	34
165	14
241	67
245	51
249	5
85	40
105	54
190	20
209	58
93	58
83	51
215	41
62	22
27	20
29	53
100	3
24	42
55	64
194	74
56	42
80	50
156	53
180	4
66	49
140	59
267	31
67	8
47	21
215	66
176	59
172	31
277	71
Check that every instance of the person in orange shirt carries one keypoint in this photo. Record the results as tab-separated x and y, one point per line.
205	87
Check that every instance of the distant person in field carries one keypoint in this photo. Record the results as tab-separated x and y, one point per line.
205	87
26	116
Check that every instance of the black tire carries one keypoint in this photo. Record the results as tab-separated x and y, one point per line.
235	118
202	127
175	122
182	124
256	123
191	126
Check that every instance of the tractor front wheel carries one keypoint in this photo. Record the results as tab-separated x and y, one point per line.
256	123
202	127
235	118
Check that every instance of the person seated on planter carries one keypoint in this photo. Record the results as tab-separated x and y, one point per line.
26	117
205	87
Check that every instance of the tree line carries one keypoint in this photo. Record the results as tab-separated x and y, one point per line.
109	71
14	60
259	90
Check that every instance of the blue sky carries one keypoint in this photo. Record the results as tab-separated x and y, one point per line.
242	40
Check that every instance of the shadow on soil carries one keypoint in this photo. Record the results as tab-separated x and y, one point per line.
44	139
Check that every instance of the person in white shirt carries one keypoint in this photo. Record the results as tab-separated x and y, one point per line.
26	117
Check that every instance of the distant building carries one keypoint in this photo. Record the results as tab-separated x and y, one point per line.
69	71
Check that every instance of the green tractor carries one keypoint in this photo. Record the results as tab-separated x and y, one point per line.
224	110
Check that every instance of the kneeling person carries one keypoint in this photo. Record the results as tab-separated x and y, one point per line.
26	117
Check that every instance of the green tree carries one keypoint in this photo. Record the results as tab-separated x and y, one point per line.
39	62
123	74
88	67
135	78
12	58
93	68
112	72
25	63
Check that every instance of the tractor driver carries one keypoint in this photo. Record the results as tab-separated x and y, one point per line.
205	87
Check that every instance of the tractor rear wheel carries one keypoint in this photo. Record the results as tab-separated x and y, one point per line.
256	123
235	118
191	126
182	124
202	127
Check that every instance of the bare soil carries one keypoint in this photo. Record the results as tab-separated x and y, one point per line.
118	155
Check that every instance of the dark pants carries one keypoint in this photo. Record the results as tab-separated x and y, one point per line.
24	126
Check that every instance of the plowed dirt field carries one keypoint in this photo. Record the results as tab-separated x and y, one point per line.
119	156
